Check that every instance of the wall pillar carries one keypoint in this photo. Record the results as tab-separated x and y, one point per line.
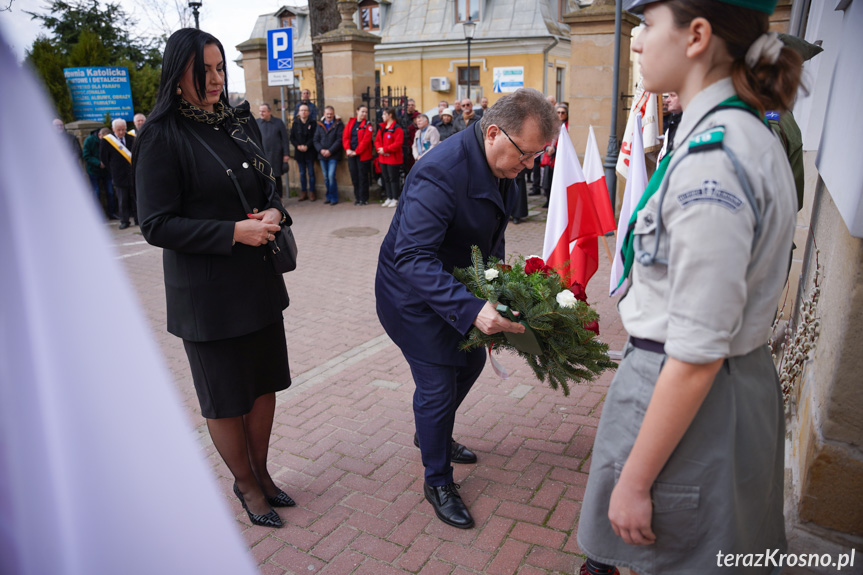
828	431
349	68
591	73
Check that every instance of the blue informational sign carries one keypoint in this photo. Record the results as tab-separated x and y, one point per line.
280	50
507	79
98	91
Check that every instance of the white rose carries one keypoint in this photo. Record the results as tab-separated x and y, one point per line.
566	299
491	274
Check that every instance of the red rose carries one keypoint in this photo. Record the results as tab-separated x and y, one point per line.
578	291
547	271
533	265
592	326
504	267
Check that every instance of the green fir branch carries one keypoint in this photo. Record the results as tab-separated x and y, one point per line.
571	354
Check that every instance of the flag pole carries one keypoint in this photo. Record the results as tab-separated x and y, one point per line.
607	251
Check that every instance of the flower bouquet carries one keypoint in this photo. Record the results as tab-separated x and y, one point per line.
563	323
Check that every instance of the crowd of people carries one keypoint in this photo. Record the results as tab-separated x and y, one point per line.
382	152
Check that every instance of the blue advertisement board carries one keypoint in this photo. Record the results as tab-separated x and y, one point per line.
97	91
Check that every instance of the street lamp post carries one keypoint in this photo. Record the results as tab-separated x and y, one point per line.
469	29
194	6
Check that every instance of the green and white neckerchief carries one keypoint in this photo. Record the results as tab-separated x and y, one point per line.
627	251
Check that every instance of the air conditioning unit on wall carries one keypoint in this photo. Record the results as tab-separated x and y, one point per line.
440	84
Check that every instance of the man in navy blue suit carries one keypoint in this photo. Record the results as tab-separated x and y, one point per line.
459	195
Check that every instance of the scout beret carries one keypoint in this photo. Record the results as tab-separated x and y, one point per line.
767	6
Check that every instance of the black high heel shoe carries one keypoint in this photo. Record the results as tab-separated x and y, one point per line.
281	499
270	519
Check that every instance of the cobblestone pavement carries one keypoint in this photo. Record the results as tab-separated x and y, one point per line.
342	441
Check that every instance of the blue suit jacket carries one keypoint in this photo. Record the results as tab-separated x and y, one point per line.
451	202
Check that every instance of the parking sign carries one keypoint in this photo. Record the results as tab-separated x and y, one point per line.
280	57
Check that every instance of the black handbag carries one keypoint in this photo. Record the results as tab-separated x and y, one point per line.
283	247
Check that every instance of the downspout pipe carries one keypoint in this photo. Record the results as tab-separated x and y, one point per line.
554	42
610	163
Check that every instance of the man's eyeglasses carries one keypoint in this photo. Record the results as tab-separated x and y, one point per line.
524	155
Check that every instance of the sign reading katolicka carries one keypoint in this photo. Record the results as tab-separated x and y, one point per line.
97	91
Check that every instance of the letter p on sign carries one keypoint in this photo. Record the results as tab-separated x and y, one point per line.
280	43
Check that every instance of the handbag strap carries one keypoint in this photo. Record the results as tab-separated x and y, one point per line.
228	170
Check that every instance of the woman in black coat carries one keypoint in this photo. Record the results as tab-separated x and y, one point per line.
223	297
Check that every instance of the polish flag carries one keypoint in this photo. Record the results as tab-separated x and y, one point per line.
595	177
635	186
643	105
572	224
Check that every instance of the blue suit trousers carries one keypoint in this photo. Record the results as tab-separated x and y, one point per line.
440	389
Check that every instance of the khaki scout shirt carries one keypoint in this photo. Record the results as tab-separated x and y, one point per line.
718	294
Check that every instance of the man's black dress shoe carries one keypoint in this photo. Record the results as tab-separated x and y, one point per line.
448	505
458	453
124	225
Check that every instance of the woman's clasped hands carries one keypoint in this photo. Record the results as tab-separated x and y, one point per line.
259	229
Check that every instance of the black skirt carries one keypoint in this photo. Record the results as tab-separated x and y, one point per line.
230	374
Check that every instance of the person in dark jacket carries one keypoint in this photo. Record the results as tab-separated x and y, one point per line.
358	142
467	117
462	197
328	143
407	120
276	142
303	139
446	128
223	298
116	155
98	173
306	100
442	105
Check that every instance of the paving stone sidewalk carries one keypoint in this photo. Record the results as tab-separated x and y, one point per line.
342	444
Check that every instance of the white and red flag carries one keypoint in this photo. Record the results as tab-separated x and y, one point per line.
635	186
595	177
572	224
643	105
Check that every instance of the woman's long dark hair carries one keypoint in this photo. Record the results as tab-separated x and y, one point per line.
184	45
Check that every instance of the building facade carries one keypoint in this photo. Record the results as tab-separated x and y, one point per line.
423	49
